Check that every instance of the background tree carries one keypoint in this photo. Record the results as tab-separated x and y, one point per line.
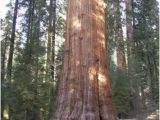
137	75
11	51
6	28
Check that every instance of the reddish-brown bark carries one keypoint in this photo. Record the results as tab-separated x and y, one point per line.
129	28
84	89
121	61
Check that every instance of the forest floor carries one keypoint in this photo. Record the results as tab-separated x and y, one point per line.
150	113
147	115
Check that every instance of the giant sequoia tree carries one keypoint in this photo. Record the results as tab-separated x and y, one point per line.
84	89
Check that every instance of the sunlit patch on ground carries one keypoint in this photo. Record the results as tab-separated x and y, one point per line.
153	116
147	116
127	119
6	116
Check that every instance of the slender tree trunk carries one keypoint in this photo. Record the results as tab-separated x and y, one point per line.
152	75
121	61
11	51
51	52
143	96
29	26
129	28
3	73
28	48
153	72
134	90
49	45
36	30
53	37
84	89
3	60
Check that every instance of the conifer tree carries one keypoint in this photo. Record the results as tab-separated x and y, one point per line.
84	89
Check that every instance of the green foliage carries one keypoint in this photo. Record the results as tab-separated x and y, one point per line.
32	95
146	39
121	95
120	91
141	75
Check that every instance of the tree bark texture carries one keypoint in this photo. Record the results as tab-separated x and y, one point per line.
51	53
51	38
11	49
121	61
130	42
133	83
84	89
3	73
129	25
11	52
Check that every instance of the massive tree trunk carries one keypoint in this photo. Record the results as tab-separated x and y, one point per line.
84	89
